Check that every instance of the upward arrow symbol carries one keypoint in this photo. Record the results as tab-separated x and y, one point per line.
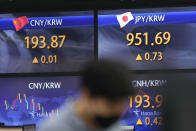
35	61
139	58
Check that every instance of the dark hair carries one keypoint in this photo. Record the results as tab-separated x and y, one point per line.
108	79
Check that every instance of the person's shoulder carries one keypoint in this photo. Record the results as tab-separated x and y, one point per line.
116	127
57	123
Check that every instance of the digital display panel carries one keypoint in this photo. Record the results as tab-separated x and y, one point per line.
153	39
149	39
163	101
28	100
144	110
144	39
46	42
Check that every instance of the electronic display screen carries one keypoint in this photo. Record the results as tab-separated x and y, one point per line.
163	101
28	100
46	42
144	109
149	39
144	39
153	39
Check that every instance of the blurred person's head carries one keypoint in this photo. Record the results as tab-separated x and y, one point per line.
106	86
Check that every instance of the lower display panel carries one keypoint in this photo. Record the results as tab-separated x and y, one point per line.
29	100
